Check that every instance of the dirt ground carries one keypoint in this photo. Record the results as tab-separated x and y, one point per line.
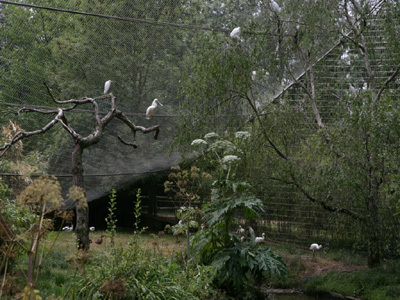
308	266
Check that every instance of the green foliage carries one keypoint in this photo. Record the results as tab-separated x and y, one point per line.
111	218
242	266
45	191
223	210
239	265
374	284
19	217
144	276
131	272
137	213
186	215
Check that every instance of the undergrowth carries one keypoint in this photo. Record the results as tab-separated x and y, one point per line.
380	283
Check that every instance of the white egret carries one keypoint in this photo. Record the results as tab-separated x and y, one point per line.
253	75
235	32
150	110
275	7
315	247
107	86
260	239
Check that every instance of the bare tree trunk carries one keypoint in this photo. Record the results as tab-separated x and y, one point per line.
82	211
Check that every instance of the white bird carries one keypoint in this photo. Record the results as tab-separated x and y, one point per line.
107	86
235	32
92	228
314	247
68	228
353	90
253	75
275	7
251	232
150	110
240	231
260	239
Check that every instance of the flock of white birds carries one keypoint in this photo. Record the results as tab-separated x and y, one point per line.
71	228
242	233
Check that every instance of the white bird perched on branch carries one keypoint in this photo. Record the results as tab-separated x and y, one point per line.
275	7
314	247
68	228
150	110
235	32
260	239
107	86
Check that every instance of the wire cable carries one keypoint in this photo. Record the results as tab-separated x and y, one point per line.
194	27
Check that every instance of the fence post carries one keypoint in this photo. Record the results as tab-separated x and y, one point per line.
152	203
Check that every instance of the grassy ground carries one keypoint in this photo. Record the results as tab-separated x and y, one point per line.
335	271
57	271
340	272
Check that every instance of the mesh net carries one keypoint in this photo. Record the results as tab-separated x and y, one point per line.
75	46
135	44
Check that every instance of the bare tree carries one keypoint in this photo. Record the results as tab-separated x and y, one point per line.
80	143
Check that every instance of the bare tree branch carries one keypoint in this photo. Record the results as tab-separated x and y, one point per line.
323	203
120	115
386	83
265	133
83	100
22	134
133	144
312	96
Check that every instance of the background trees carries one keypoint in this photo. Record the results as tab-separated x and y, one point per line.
314	133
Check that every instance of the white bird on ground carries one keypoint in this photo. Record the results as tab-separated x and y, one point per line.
150	110
253	75
235	32
275	7
315	247
92	228
241	231
68	228
260	239
107	86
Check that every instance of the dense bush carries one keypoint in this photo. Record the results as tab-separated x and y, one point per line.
130	272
